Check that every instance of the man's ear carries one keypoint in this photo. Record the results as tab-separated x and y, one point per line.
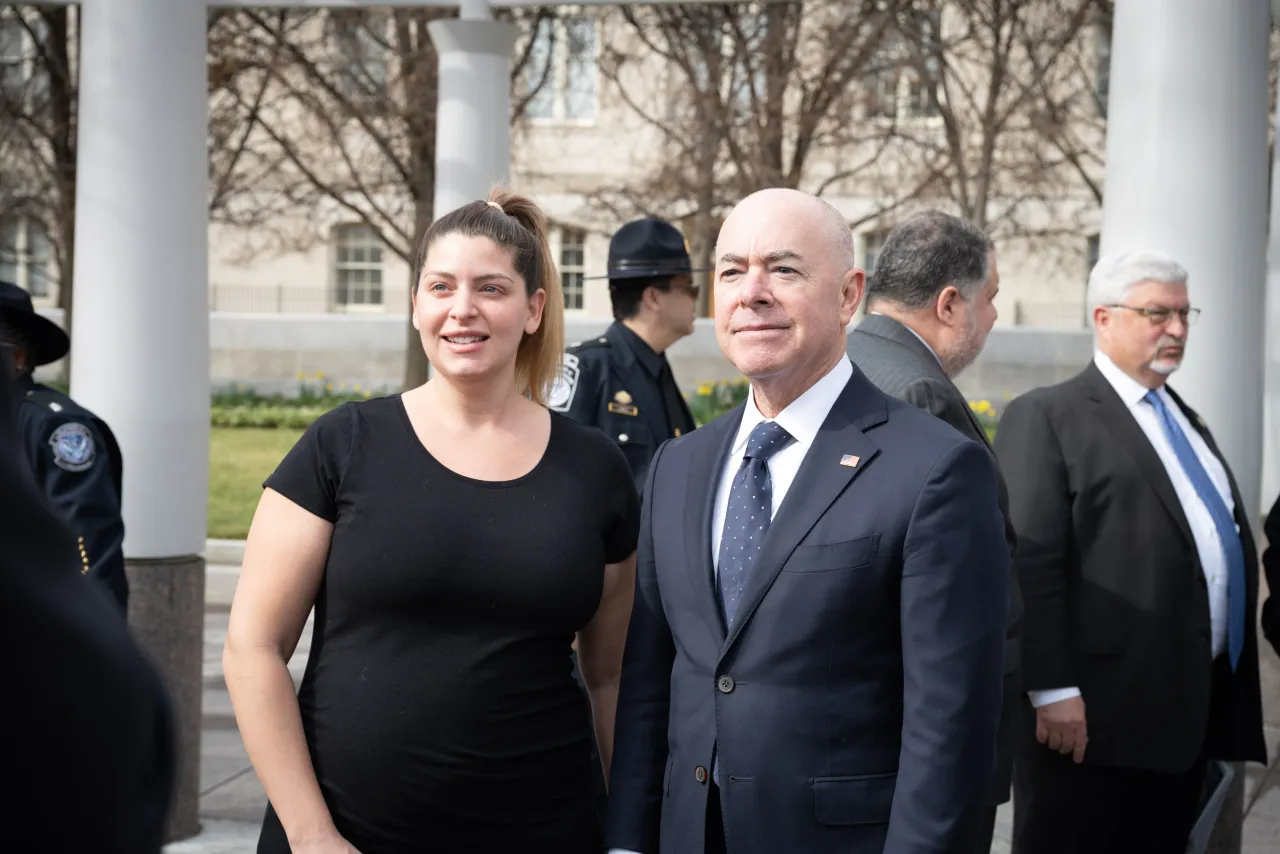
947	305
650	298
1101	317
852	290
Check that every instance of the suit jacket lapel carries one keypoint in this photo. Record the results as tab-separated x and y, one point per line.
1119	420
700	499
820	480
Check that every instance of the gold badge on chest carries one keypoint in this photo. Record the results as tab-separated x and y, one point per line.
621	404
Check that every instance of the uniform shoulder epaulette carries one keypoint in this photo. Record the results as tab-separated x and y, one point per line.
589	344
47	398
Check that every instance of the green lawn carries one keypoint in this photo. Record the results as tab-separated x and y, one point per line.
239	460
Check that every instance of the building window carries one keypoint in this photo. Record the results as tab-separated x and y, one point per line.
562	72
573	265
904	80
363	55
872	241
358	266
26	255
1102	68
24	81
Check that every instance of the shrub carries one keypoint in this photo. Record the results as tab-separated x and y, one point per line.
296	417
987	416
713	399
240	406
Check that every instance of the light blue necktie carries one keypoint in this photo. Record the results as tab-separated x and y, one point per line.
1222	520
746	520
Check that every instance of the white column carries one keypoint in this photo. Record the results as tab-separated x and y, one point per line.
473	113
140	355
1186	174
140	338
1271	397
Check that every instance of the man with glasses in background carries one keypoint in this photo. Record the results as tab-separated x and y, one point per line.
621	381
1139	576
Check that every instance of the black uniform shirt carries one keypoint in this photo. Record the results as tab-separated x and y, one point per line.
618	383
75	460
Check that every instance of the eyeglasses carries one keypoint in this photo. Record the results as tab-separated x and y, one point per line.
691	290
1159	315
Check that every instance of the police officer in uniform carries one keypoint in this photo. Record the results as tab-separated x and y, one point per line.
72	453
621	382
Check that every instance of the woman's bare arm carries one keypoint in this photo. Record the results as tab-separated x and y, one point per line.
284	562
600	646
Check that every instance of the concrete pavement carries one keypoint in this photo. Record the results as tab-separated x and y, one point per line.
232	799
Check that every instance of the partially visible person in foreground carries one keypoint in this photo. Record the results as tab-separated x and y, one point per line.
90	747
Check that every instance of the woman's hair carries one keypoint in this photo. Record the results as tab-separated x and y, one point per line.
515	223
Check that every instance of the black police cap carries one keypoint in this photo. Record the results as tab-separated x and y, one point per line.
647	248
46	342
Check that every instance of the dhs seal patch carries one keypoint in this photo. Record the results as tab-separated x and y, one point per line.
72	446
560	398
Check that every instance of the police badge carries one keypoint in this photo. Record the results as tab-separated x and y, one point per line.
72	446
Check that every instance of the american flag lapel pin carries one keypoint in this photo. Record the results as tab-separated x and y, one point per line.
849	460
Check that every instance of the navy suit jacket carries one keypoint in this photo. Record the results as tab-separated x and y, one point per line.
854	702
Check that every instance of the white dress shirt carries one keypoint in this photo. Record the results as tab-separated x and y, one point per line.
1213	558
802	419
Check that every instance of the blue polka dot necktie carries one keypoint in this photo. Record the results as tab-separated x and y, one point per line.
1222	521
749	513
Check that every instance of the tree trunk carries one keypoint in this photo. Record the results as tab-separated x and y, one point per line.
416	366
419	55
703	245
415	358
62	101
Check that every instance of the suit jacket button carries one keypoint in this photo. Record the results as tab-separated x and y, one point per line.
725	684
700	774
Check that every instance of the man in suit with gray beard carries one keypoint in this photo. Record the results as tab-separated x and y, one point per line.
929	309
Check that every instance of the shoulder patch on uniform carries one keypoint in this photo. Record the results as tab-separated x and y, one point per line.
590	344
73	446
560	398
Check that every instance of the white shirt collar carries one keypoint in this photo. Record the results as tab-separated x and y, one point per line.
913	332
1130	390
806	414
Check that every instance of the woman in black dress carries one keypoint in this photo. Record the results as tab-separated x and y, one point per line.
454	540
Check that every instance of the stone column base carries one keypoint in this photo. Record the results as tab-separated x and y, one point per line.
166	618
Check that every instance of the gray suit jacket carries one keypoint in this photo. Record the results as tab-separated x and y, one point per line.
901	365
